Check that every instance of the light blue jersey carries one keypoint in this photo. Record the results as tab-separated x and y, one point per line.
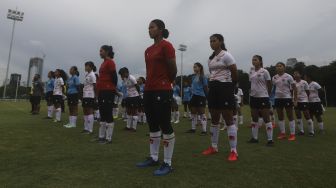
73	83
50	85
176	91
197	85
187	94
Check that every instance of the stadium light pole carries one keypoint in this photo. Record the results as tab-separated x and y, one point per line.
182	48
14	15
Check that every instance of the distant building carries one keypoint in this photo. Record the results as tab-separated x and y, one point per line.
15	79
35	67
291	62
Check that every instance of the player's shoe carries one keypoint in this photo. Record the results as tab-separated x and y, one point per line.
291	137
253	141
164	169
311	134
177	121
191	131
210	151
147	163
270	143
300	133
233	156
282	136
203	133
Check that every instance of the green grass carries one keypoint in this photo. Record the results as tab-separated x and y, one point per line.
35	152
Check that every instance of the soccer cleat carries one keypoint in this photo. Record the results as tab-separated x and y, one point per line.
177	121
68	125
273	125
84	131
47	117
300	133
282	136
223	128
253	141
203	133
233	156
210	151
270	143
106	142
311	134
164	169
291	137
191	131
127	129
56	121
147	163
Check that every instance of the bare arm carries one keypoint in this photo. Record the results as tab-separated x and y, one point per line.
172	69
234	73
269	87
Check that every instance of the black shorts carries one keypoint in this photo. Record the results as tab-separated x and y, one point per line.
198	101
123	103
260	103
132	102
283	103
142	102
315	108
221	96
57	99
105	102
185	102
302	106
49	97
72	99
88	103
35	99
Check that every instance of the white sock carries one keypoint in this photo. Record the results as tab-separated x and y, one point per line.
282	126
144	119
269	131
204	122
117	112
109	131
73	120
241	119
102	130
320	124
90	121
255	130
214	131
172	118
292	127
300	125
129	121
193	121
235	120
260	121
177	116
58	113
70	120
168	150
135	122
232	134
97	114
310	126
154	145
189	114
50	111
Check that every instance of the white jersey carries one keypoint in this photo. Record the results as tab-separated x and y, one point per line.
219	67
283	86
239	95
88	90
313	88
302	88
58	86
130	83
258	81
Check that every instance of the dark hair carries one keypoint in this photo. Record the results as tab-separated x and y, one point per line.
62	74
109	50
161	25
260	59
221	39
123	70
142	79
52	73
201	71
75	69
91	65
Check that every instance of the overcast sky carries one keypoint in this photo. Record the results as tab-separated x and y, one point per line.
70	32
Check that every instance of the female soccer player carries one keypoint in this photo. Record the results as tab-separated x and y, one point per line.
240	100
175	116
37	92
199	90
186	99
284	84
315	107
72	96
106	88
302	105
132	100
221	100
161	72
89	97
141	110
261	87
49	94
58	92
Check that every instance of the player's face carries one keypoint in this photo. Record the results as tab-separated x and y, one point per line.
153	30
57	73
71	71
196	69
87	68
102	53
49	75
280	68
297	75
255	62
215	44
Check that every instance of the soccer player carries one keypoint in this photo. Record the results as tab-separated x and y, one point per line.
37	89
141	110
49	94
240	101
315	106
261	87
302	105
106	88
186	99
89	97
161	72
221	100
284	84
132	100
72	96
199	90
58	92
175	114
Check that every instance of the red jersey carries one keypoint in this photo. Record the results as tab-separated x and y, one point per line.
105	79
156	57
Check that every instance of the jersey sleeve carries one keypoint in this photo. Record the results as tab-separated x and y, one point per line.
229	60
290	80
77	83
169	51
317	86
205	81
93	79
61	82
133	80
267	75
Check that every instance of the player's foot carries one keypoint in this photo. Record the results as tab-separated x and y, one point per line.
282	136
133	130
56	121
177	121
300	133
164	169
127	129
270	143
203	133
84	131
147	163
291	137
253	141
106	142
223	128
67	125
274	125
311	134
191	131
210	151
47	117
233	156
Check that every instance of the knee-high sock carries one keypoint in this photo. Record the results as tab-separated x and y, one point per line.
255	130
310	126
144	120
193	121
102	130
269	131
134	122
129	121
321	126
241	120
97	114
232	134
50	111
90	120
169	142
154	145
300	125
235	120
86	122
292	127
260	121
58	113
109	131
282	126
177	116
172	118
214	131
204	122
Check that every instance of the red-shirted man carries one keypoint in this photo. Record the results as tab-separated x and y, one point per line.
161	72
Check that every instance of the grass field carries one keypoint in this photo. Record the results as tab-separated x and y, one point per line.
35	152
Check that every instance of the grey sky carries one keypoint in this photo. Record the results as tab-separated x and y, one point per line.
71	32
